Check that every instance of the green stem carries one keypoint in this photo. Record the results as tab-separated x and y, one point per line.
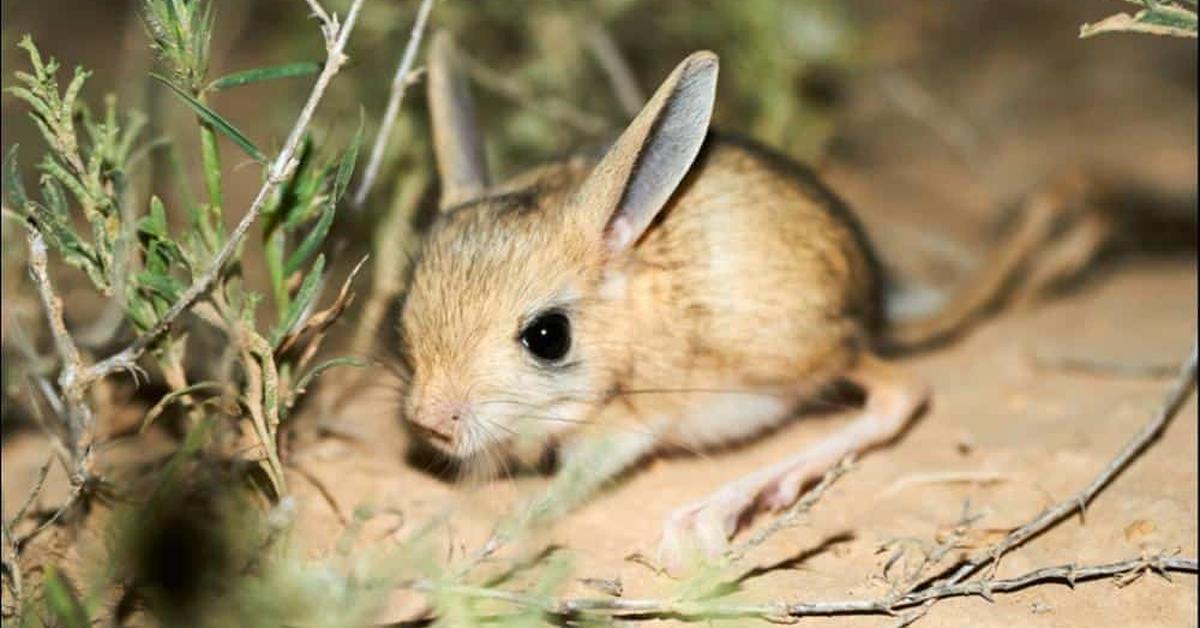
211	154
273	250
212	177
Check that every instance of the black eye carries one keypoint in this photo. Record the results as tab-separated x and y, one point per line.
548	337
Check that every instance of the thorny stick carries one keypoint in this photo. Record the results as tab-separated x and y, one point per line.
793	515
12	572
1172	402
645	608
281	168
38	381
33	492
400	84
12	568
324	491
72	379
77	489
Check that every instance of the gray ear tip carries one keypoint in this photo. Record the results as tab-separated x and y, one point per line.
700	68
702	61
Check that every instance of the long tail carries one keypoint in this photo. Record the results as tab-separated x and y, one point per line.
1055	235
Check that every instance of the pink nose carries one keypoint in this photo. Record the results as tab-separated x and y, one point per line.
440	421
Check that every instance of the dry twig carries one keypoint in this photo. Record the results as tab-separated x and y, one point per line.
1179	392
792	515
400	83
71	379
556	109
38	484
620	76
648	608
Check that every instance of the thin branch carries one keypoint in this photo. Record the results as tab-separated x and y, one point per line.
12	567
1069	574
323	17
36	370
38	484
336	37
793	515
1179	392
71	378
325	493
556	109
400	84
608	55
13	580
646	608
77	490
955	131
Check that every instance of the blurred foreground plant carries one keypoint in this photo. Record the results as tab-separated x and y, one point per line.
132	257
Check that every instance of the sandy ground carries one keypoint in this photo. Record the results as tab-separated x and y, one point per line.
1040	433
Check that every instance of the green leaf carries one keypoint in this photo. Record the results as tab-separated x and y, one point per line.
42	112
62	601
53	168
246	77
139	311
346	167
306	379
71	95
273	245
295	196
171	397
162	251
53	195
311	242
341	181
76	252
304	297
165	287
154	223
217	122
12	180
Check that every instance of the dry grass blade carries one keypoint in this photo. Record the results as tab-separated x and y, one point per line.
780	610
400	83
320	321
1179	392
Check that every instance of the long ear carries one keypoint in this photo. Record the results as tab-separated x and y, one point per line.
457	143
638	175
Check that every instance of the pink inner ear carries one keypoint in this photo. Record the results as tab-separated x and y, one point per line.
620	234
